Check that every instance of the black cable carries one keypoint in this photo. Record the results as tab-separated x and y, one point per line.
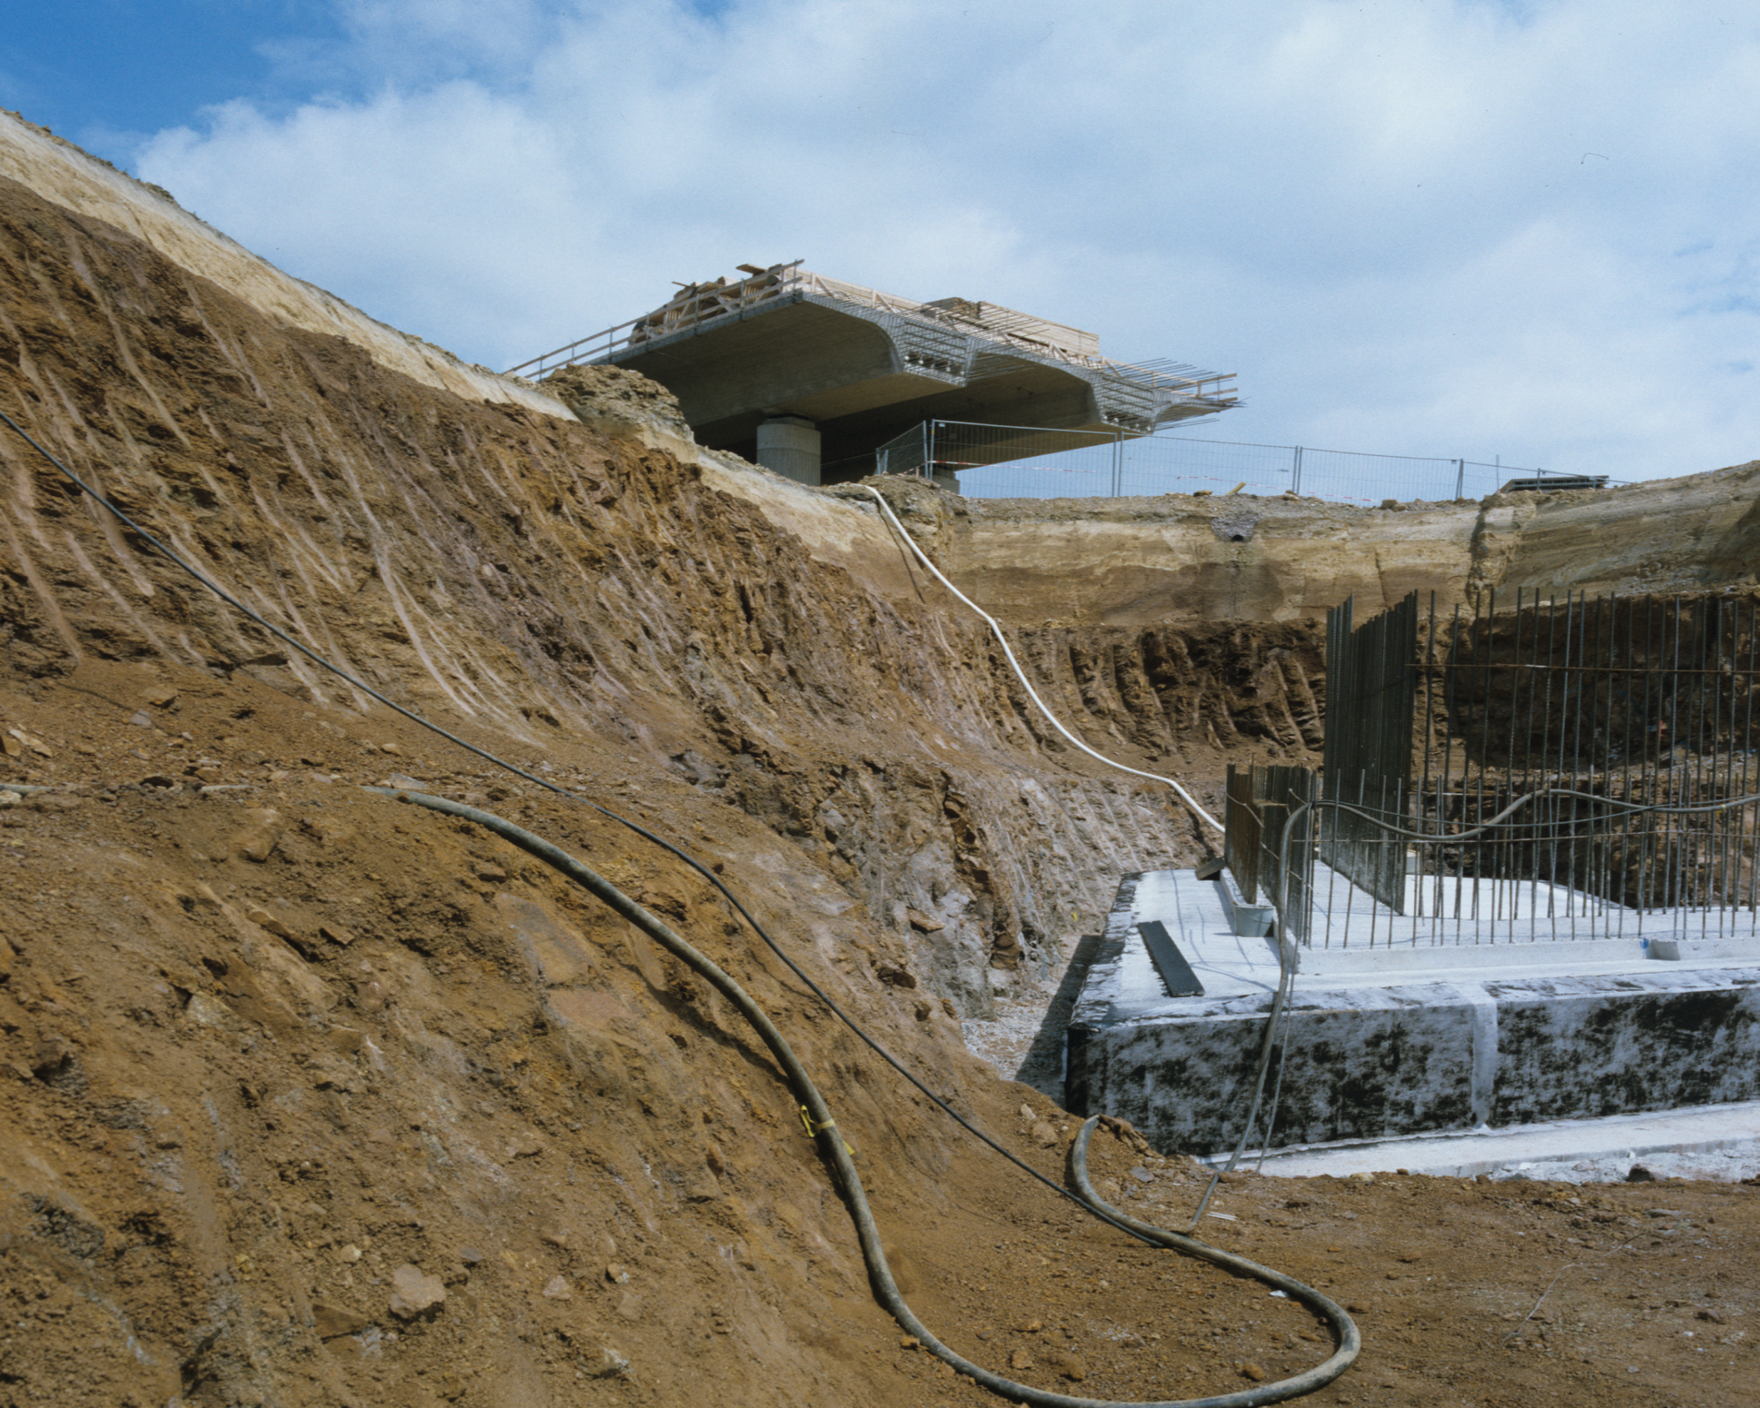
826	1135
517	771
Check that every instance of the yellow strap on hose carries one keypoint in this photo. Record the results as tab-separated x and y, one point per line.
813	1130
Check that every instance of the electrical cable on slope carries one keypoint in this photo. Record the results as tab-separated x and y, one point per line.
823	1128
704	871
1349	1339
1020	674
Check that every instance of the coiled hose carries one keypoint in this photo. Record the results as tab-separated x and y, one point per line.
834	1150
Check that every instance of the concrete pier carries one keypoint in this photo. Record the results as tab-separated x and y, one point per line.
1389	1043
790	446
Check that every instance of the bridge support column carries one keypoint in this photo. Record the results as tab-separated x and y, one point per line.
790	446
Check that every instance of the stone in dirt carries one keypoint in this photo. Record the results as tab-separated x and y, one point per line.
926	923
609	1363
333	1321
1067	1364
262	832
414	1292
263	919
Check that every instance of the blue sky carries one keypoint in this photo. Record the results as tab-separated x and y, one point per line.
1433	227
109	73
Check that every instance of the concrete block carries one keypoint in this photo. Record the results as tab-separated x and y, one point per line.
1253	921
1383	1045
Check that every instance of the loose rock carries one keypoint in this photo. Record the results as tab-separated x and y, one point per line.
414	1292
260	836
609	1363
1067	1364
333	1321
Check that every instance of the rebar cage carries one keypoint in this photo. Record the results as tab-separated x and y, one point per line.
1532	771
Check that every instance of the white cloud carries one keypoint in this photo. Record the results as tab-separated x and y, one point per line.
1445	228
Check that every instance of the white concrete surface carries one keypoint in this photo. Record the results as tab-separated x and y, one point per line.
1707	1141
1394	1043
1230	966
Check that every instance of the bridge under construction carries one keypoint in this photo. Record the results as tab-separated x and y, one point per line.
807	375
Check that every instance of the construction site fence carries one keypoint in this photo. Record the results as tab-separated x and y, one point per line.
1024	462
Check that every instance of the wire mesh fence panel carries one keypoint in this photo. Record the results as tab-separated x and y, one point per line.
1081	475
1480	480
904	454
1348	476
1177	464
1029	462
1024	462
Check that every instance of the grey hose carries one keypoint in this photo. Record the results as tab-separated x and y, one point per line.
833	1148
1350	1341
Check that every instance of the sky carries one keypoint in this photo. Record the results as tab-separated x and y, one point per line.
1516	229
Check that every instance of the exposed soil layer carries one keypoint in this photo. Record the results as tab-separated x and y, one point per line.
307	1097
548	579
265	1048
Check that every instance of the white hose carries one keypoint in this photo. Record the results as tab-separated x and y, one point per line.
1027	684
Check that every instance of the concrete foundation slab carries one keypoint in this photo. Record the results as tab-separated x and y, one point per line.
1707	1141
1386	1044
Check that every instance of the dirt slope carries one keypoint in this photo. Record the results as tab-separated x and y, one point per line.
282	1062
549	579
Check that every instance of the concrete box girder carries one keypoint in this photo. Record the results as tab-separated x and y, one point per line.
865	366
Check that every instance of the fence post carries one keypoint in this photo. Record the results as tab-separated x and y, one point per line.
928	470
1117	462
1295	472
1460	478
